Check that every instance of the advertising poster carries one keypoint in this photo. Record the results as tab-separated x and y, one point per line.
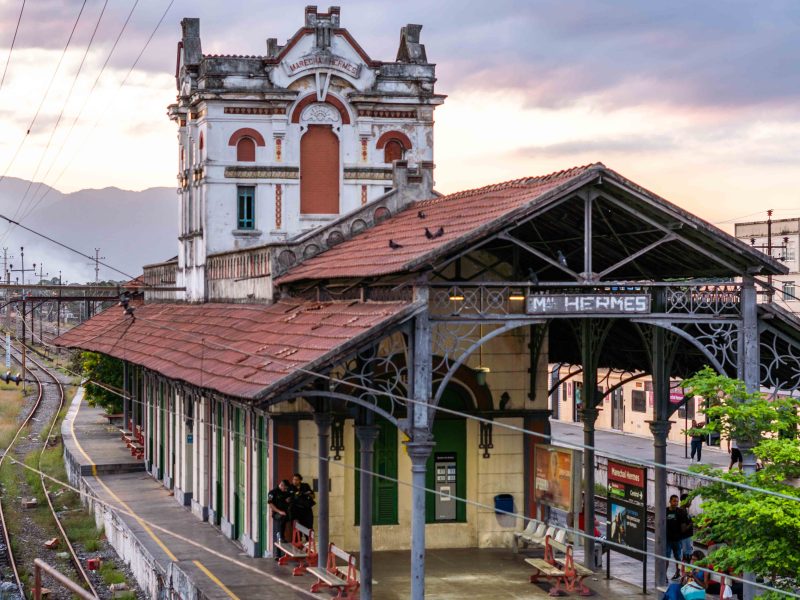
627	508
553	478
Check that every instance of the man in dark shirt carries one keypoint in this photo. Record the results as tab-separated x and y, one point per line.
301	502
278	501
677	519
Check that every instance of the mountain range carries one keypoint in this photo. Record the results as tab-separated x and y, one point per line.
130	228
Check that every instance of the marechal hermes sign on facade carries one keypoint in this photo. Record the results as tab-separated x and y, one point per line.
588	304
321	61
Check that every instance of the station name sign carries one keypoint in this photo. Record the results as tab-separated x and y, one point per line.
322	61
588	304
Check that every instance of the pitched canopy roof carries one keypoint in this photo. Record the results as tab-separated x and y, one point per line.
431	229
244	351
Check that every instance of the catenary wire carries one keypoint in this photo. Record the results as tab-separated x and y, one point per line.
476	504
46	94
38	201
522	430
67	98
13	41
103	113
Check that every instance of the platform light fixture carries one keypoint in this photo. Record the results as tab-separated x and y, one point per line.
517	295
455	295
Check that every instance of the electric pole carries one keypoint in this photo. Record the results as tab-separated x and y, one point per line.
768	248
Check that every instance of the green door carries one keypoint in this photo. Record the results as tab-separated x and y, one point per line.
161	415
219	504
262	484
384	484
240	473
450	435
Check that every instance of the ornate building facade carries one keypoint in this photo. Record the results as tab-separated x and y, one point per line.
277	145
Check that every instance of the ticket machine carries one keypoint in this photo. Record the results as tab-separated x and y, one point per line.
445	469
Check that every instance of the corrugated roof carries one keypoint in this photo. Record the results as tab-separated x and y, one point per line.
241	350
399	242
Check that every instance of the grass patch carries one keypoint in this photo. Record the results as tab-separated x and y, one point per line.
110	573
11	402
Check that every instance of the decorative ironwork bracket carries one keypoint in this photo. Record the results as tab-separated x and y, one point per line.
337	437
485	442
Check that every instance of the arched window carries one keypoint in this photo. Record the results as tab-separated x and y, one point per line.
246	150
393	151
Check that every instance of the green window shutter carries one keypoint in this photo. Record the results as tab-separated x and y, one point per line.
384	490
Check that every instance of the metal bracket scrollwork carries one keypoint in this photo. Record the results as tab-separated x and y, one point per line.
378	376
485	442
716	300
337	437
780	361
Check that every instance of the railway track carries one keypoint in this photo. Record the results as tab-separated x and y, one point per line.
42	419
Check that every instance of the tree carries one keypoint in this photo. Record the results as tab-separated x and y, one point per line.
759	533
107	371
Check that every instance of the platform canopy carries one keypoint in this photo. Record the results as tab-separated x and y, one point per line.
243	351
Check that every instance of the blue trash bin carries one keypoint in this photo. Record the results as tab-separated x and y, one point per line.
503	503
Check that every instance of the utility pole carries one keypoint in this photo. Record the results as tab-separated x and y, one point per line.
7	277
22	270
97	259
42	275
768	248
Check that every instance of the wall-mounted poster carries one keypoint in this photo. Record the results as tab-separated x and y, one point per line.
627	508
554	477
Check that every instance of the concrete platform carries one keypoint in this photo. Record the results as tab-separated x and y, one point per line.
168	548
103	450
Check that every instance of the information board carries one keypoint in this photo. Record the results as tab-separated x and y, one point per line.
627	508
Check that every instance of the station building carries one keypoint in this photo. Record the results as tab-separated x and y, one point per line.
334	315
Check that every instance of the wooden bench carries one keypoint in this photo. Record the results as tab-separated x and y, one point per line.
574	573
302	549
553	574
343	577
114	418
137	450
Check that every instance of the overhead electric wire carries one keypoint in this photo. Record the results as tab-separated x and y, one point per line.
46	93
38	200
108	106
67	98
13	41
407	484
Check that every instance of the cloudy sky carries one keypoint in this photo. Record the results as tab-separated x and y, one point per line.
698	101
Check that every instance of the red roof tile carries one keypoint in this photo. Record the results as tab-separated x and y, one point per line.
460	214
241	350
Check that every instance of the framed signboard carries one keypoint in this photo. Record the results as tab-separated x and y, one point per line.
627	508
556	471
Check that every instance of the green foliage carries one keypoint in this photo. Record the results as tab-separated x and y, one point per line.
108	371
759	533
735	413
110	574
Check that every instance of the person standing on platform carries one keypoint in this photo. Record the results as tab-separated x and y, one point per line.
301	502
278	501
676	519
736	454
687	527
697	440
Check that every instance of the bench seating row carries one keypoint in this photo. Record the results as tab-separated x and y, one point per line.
535	533
340	572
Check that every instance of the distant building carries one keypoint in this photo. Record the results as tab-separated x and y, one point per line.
272	146
782	238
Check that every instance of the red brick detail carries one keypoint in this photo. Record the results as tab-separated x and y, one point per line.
278	149
398	136
363	195
202	141
278	205
319	171
409	115
254	110
246	132
246	150
364	149
329	99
